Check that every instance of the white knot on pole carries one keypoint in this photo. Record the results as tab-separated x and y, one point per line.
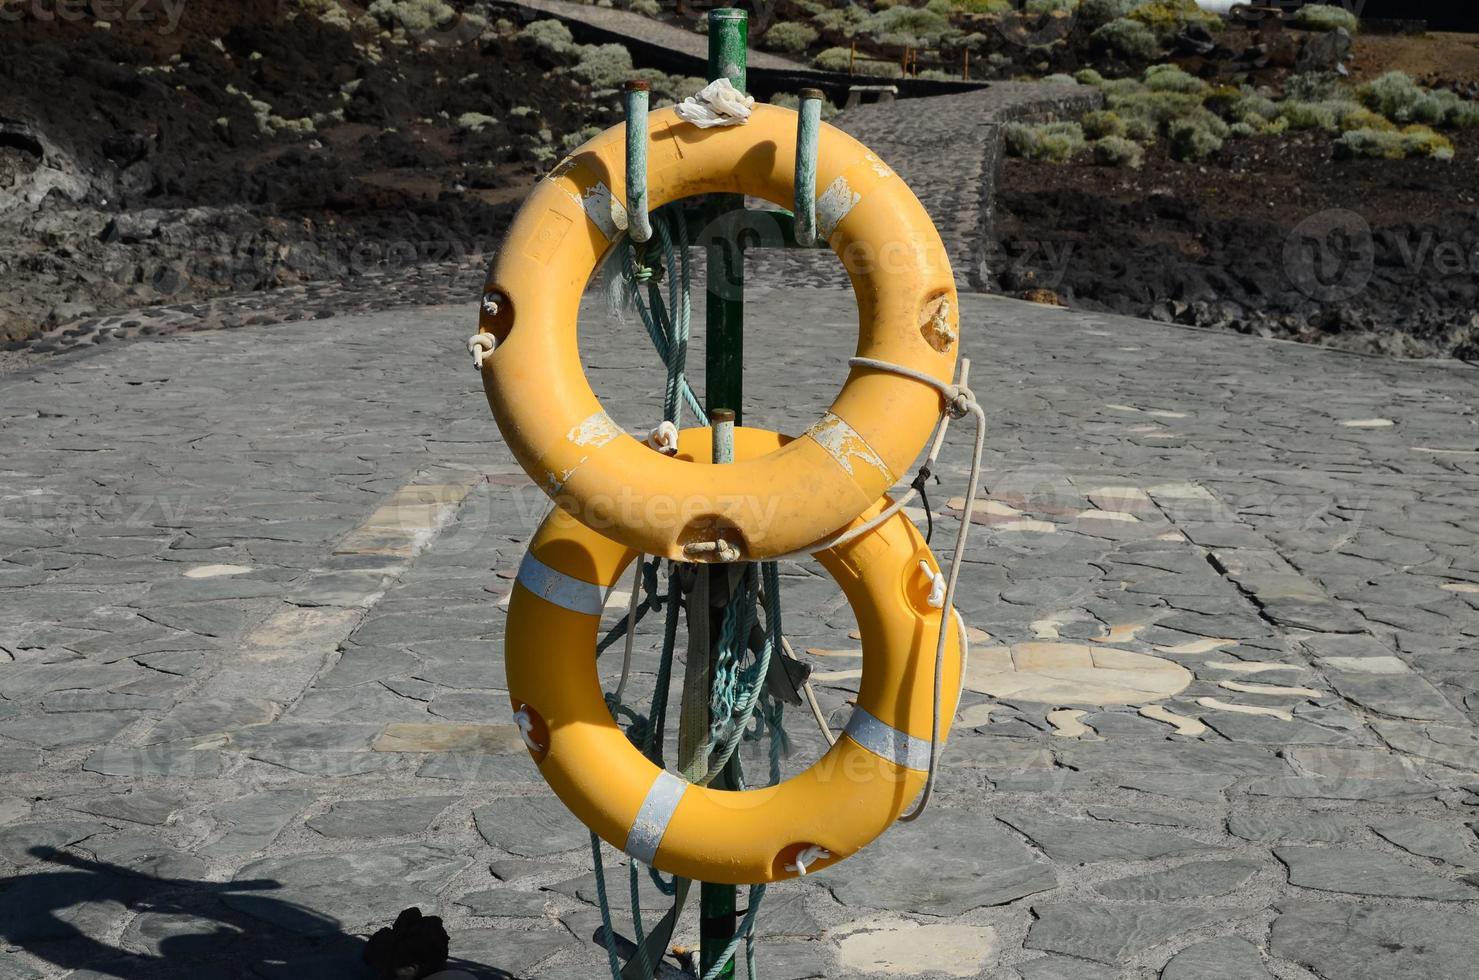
809	855
480	346
937	585
664	438
718	103
526	729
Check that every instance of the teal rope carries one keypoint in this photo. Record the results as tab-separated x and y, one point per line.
739	690
638	933
667	323
608	933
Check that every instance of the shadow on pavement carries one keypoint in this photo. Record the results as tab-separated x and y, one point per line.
186	926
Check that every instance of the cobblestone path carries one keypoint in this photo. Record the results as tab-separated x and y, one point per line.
1221	717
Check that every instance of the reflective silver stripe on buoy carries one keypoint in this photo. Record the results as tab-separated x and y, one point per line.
561	589
652	819
887	742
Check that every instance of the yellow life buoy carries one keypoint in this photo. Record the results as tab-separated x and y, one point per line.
788	499
846	799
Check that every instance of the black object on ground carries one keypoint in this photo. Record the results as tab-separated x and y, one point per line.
415	947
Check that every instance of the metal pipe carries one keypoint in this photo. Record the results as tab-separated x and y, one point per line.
729	30
808	124
725	309
637	94
729	40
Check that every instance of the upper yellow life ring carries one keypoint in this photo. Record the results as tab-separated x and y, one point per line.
846	799
796	496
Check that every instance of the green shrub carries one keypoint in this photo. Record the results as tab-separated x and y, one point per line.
1396	96
1169	17
1096	13
603	66
668	89
1325	17
1388	144
789	37
1237	104
325	11
1465	115
1393	95
1312	86
877	69
1380	144
574	139
1101	123
1192	140
412	15
1049	6
942	7
1160	109
839	19
1060	79
1088	76
1139	129
1116	151
833	59
1315	115
647	8
997	7
1420	141
1359	117
1170	78
1129	39
1243	130
918	26
550	35
790	100
1056	142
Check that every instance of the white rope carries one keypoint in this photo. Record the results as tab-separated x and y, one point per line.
957	397
809	855
965	403
526	729
937	585
664	438
481	346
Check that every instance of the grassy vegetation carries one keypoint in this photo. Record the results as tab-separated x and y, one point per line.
1392	117
1324	17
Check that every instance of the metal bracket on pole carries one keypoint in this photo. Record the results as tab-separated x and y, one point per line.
808	124
639	226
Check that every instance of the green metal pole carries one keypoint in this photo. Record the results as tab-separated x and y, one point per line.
808	127
729	32
639	226
724	313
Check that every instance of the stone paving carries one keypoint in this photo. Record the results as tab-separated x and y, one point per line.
1220	723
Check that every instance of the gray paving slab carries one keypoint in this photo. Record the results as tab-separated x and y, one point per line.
188	748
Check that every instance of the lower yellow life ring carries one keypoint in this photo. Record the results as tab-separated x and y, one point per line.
840	804
874	429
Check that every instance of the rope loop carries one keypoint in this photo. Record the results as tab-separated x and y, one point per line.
961	402
481	347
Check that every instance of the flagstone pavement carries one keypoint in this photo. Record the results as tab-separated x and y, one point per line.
1220	719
